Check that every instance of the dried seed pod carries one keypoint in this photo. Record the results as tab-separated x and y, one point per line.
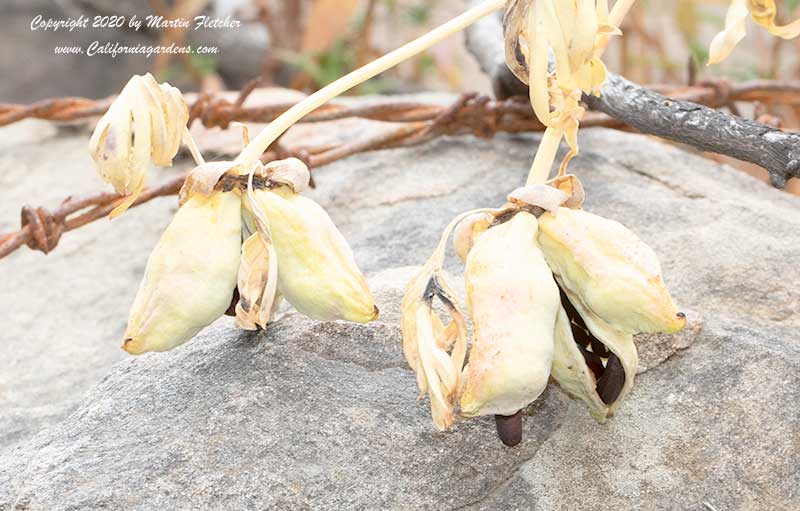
609	271
575	34
434	351
189	276
513	302
516	45
317	272
145	122
257	282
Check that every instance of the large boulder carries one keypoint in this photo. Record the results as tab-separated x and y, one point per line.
314	415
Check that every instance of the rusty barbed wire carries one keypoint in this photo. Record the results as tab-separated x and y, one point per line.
215	111
41	229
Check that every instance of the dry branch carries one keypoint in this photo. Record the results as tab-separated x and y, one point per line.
679	118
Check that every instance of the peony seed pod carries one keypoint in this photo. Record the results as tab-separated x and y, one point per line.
513	301
609	270
317	272
189	276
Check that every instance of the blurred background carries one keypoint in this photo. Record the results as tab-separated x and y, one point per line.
305	44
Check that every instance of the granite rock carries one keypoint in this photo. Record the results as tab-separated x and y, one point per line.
314	415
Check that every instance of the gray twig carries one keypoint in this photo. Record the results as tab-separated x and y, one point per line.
649	112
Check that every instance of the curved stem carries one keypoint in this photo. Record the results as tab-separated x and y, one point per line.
189	142
275	129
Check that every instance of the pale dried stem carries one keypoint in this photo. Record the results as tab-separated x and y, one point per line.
250	155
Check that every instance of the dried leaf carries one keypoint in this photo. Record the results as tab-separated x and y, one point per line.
257	282
516	48
145	122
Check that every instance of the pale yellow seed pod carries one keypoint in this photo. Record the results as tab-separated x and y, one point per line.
612	272
190	274
145	122
513	301
317	272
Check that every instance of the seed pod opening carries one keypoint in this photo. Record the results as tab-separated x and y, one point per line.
513	303
257	282
189	275
593	364
614	274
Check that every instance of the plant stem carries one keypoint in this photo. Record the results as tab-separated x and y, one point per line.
615	17
250	155
545	155
548	147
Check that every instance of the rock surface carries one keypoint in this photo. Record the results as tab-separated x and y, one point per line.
323	416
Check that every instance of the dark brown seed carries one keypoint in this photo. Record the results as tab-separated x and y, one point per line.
570	309
509	428
581	336
599	348
610	384
594	362
234	300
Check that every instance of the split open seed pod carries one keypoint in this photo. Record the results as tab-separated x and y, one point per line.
258	273
609	271
435	351
592	361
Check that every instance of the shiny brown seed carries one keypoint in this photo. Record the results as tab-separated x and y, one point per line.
581	336
509	428
610	384
599	348
572	312
594	362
